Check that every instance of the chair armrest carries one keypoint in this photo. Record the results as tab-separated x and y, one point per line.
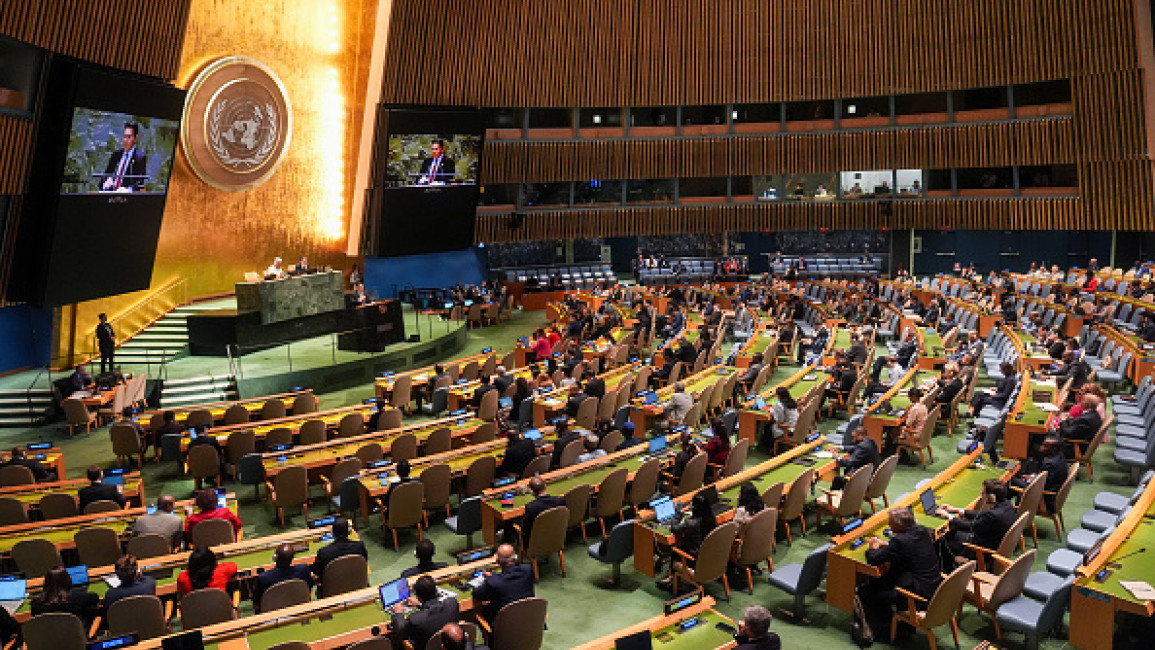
684	554
484	624
236	599
910	598
715	466
168	606
981	552
240	536
1014	487
325	480
95	628
272	490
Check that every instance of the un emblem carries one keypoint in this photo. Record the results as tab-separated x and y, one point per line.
237	120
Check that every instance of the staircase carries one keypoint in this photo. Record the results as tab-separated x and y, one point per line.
164	340
178	393
23	408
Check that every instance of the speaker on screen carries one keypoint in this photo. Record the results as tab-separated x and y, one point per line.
427	179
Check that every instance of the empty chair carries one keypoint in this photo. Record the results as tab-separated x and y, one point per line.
205	607
285	594
97	546
942	608
54	631
18	475
611	442
143	615
402	393
58	505
126	444
1029	501
103	505
611	495
1055	514
146	546
405	509
304	403
369	452
485	432
570	454
34	557
799	580
440	440
692	476
77	415
213	532
312	432
467	521
479	477
548	537
615	549
272	409
346	573
880	481
290	489
539	465
792	506
772	496
236	414
347	468
352	424
645	483
988	591
487	410
713	555
1033	618
403	447
204	463
388	420
577	499
520	625
199	418
438	482
240	444
12	511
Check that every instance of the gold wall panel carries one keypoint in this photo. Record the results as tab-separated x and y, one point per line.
319	49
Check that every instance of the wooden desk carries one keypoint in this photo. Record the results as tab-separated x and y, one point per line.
1094	603
644	416
750	417
666	630
133	489
331	417
253	405
784	468
875	422
959	485
1029	417
384	385
51	458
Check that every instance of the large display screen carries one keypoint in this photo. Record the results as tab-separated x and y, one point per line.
429	187
118	152
100	175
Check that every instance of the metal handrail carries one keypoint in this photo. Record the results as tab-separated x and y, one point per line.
149	305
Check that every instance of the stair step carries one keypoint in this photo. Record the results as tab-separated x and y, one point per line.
196	388
201	398
35	400
212	379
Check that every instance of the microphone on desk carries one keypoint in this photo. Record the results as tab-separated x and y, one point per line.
1117	563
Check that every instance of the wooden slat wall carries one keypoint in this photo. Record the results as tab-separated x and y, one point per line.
1014	214
669	52
980	145
141	37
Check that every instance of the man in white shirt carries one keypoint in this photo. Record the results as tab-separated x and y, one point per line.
275	270
679	404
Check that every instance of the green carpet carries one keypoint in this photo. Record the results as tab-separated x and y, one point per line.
579	609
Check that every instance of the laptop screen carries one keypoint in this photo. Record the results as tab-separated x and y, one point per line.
760	403
928	504
651	397
12	588
79	574
394	592
122	641
532	434
657	444
505	402
114	480
636	641
664	508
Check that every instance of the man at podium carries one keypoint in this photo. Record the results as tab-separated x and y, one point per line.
438	168
126	167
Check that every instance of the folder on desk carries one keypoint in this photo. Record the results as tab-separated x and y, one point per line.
1139	589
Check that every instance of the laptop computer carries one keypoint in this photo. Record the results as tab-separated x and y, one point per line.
759	403
122	641
650	398
394	592
505	402
665	510
636	641
12	592
657	446
78	574
929	505
535	436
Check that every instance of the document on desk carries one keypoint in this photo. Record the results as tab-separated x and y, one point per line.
1140	590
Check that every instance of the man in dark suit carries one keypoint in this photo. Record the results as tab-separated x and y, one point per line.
518	453
339	547
20	457
1002	392
97	490
424	554
914	566
564	437
1055	465
907	350
80	379
542	501
426	392
501	380
747	378
438	167
595	386
431	615
754	630
984	528
1081	428
843	382
128	162
106	341
863	453
500	589
1146	328
1071	370
480	392
857	352
284	570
